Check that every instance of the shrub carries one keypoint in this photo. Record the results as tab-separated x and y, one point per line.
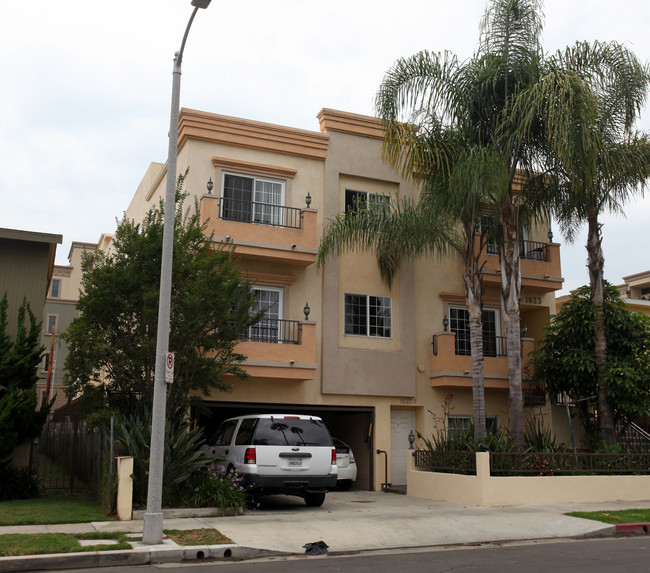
215	486
183	454
18	483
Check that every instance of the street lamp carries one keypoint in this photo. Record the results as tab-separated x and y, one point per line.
152	530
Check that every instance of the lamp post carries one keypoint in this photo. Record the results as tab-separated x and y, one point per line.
153	521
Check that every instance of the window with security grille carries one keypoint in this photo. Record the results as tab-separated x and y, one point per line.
252	199
367	315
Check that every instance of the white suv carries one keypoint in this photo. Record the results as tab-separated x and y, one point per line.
279	453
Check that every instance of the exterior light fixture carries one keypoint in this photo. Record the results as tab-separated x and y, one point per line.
308	200
411	440
307	311
550	236
524	330
445	323
210	186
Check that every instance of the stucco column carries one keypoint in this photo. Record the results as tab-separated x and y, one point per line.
124	488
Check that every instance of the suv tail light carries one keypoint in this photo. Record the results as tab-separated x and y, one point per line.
333	456
250	457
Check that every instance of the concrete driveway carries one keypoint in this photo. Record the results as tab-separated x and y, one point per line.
361	520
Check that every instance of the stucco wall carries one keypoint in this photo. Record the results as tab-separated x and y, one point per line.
485	490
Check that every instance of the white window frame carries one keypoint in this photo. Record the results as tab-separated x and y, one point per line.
368	316
497	324
268	332
58	294
260	212
49	323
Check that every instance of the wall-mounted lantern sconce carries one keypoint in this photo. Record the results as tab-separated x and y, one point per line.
445	323
524	330
308	200
550	236
306	310
210	186
411	440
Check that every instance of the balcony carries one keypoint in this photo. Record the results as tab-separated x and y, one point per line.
540	266
280	350
262	232
451	361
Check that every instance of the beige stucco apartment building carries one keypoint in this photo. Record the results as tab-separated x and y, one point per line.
377	363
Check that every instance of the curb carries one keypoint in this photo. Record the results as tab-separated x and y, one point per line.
133	557
633	528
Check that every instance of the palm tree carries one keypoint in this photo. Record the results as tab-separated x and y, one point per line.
591	95
448	218
426	91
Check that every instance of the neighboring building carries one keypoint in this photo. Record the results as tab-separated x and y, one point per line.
26	266
636	292
60	310
375	362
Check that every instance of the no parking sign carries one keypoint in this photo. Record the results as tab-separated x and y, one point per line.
169	368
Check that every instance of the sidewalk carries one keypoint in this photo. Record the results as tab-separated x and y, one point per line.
347	522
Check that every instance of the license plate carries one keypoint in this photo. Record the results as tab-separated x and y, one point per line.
294	462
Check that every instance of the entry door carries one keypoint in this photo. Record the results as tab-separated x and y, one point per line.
401	424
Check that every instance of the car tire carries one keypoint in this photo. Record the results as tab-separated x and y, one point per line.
314	499
344	484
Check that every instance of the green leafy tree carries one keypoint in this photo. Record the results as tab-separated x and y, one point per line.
568	362
19	360
112	344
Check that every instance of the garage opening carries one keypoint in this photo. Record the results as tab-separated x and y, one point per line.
352	425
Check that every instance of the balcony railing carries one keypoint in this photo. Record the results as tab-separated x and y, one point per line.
274	331
530	250
259	213
493	346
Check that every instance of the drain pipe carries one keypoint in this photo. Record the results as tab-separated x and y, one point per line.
385	485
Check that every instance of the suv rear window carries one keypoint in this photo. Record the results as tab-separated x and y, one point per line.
291	432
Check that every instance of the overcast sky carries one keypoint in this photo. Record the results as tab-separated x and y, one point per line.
85	90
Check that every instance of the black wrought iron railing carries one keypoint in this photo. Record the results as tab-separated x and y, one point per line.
274	331
446	462
260	213
530	250
568	463
493	346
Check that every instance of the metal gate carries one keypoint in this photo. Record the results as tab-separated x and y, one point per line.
69	457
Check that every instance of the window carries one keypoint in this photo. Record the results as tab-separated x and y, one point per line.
55	289
357	199
458	426
459	324
52	320
368	315
252	200
268	328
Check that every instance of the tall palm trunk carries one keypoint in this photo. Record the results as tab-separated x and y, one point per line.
597	285
472	277
510	295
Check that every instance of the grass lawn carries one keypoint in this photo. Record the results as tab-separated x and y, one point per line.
614	517
38	544
14	544
53	509
197	537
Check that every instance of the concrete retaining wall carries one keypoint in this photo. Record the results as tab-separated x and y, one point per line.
484	489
